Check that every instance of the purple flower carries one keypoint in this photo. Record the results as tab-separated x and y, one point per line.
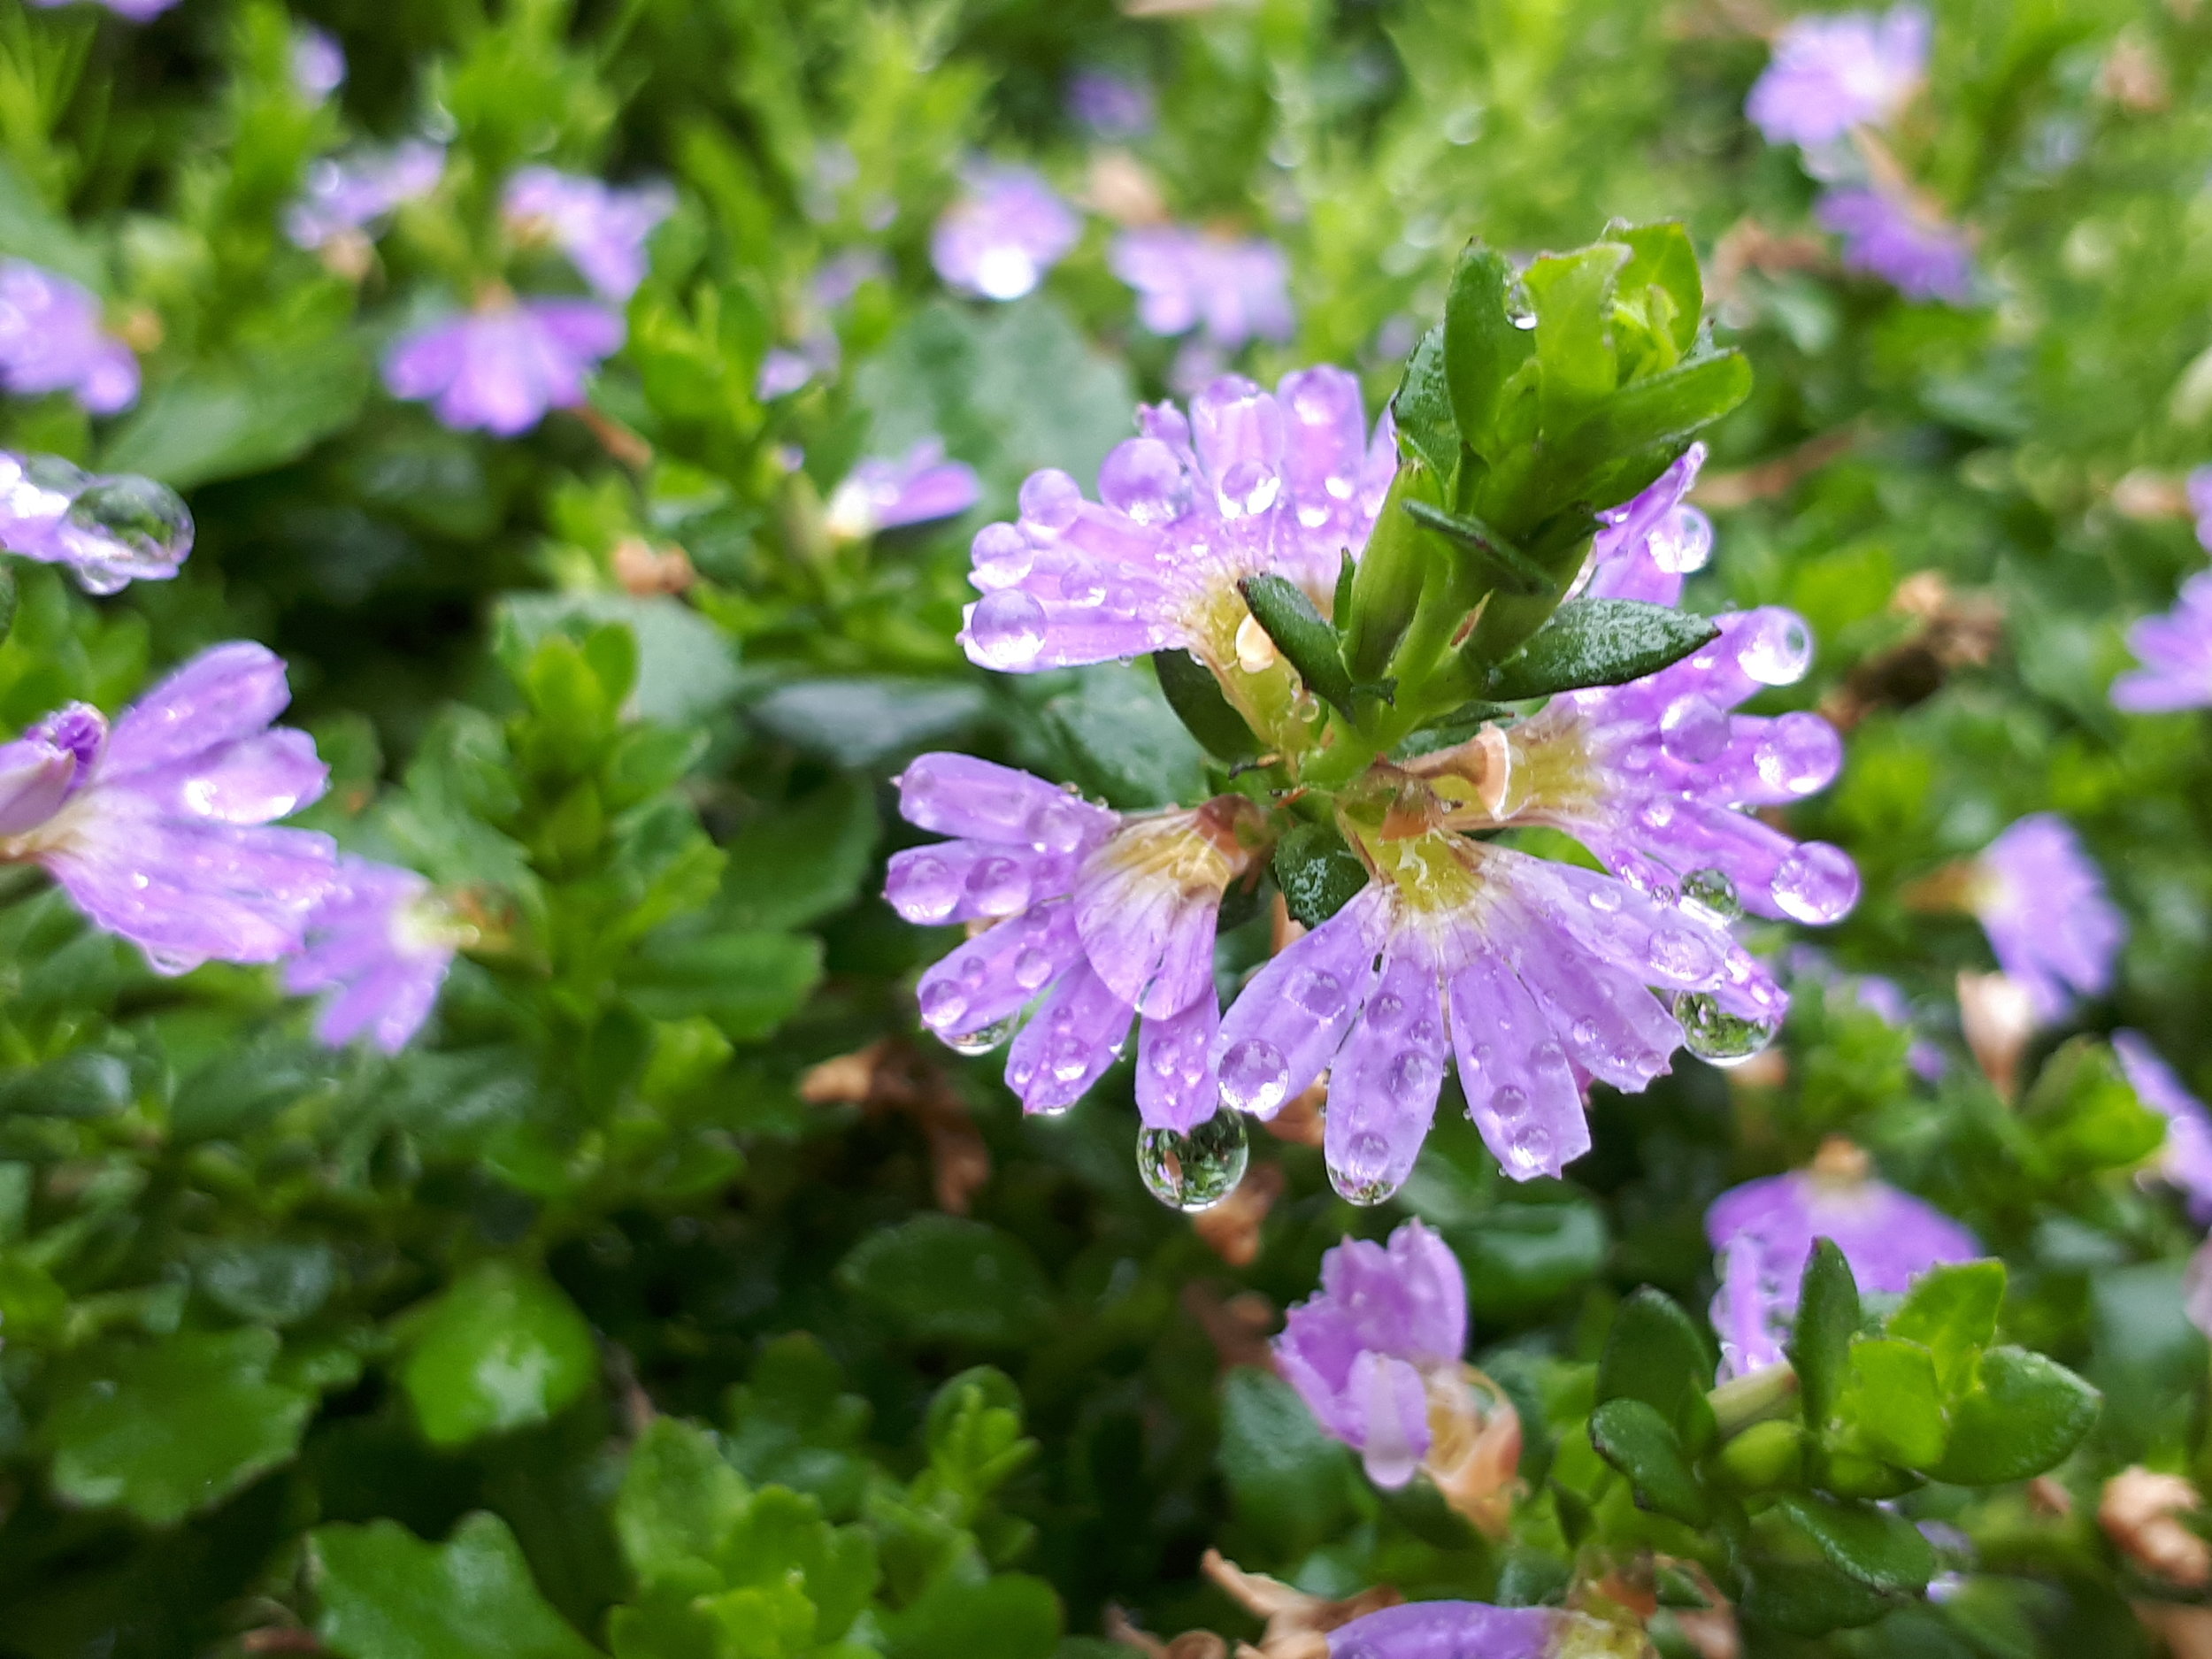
1103	917
1650	542
1532	973
1885	236
2043	905
843	275
379	940
109	531
1764	1231
345	197
160	829
1881	996
1005	232
880	495
1653	777
319	63
501	367
1286	482
135	10
785	369
1185	279
1111	105
1475	1629
1361	1351
2175	652
2186	1160
1830	74
601	229
2199	489
51	341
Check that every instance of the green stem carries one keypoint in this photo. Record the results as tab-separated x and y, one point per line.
1740	1401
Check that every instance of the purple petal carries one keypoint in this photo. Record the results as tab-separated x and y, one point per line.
958	794
1068	1044
999	972
1291	1019
224	695
1453	1630
1513	1069
1176	1086
1383	1087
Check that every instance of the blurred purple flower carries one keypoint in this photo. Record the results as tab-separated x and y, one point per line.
1007	229
159	829
1764	1230
785	369
1185	279
2175	653
1251	482
1881	996
883	494
601	229
51	341
2199	489
1534	971
841	275
1475	1629
501	367
347	194
1887	237
383	944
2187	1159
1361	1349
1102	916
110	531
1650	542
319	63
1112	105
2043	905
135	10
1831	73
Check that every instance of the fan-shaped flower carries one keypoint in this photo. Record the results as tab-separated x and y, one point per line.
1831	73
1234	291
602	229
51	341
381	942
1647	545
501	367
2043	905
2175	653
1887	236
885	495
1007	229
1475	1629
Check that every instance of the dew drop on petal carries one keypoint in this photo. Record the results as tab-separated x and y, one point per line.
1713	1034
1816	883
1058	826
1317	993
998	887
983	1038
1711	894
1247	489
1683	542
1051	500
1143	479
942	1003
1775	649
924	889
1799	754
1677	953
1195	1172
1007	629
1694	730
1032	969
125	529
1001	556
1254	1077
1363	1175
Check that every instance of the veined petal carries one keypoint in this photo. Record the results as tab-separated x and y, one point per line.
1383	1089
1513	1069
1291	1019
1068	1044
974	881
1146	904
958	794
1176	1086
995	975
224	694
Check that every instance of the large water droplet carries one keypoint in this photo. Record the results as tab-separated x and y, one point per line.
922	889
1694	730
1143	479
1682	541
1775	648
1712	1033
1254	1077
1799	754
998	887
125	529
1051	500
1317	993
1385	1010
1413	1077
1816	883
1000	556
1032	968
1059	827
1197	1171
983	1038
942	1005
1007	629
1247	489
1363	1175
1711	894
1677	953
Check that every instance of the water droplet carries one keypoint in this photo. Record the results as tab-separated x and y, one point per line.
1585	1033
1032	968
1050	501
1816	883
1000	556
1413	1077
998	887
125	529
1528	1146
1059	827
1197	1171
983	1038
1070	1057
1712	1033
1363	1176
1254	1077
1676	953
1305	707
942	1005
1656	813
1247	489
1143	479
1385	1010
1710	894
1007	629
1319	993
1605	898
1694	730
1683	542
922	889
1775	648
1799	754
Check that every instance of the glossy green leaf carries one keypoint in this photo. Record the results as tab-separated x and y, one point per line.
500	1349
1808	1598
387	1594
680	1500
1880	1550
2023	1417
1660	258
747	983
1120	741
1636	1439
1820	1339
1290	1482
1010	1617
1422	408
1302	635
1894	1403
1664	410
1317	874
1482	347
1654	1353
1573	296
803	860
1196	695
217	421
1951	1310
1598	642
946	1278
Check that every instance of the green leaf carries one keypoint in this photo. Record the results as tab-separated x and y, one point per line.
1877	1549
8	597
1290	1482
802	860
500	1349
1895	1404
1952	1312
1317	874
2024	1416
272	1283
84	1084
946	1278
748	984
1662	411
1820	1339
1808	1598
1573	296
792	1423
1660	258
245	1085
1655	1354
1509	567
680	1500
782	1537
1598	642
1196	695
387	1594
1009	1616
1302	635
1631	1436
1520	1257
858	721
687	669
224	420
1121	739
1482	347
2085	1114
164	1431
1422	408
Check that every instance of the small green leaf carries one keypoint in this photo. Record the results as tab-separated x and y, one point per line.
83	1084
1881	1550
1119	738
1317	874
1952	1312
1895	1404
679	1499
500	1349
1422	409
1662	411
2025	1414
1598	642
802	860
8	597
1509	567
946	1278
1573	296
1655	1353
747	983
1820	1340
1302	635
224	420
387	1594
1631	1436
1663	257
1808	1598
1482	347
271	1283
1009	1616
1290	1482
1196	695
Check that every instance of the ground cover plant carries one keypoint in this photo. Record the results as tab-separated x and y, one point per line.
1035	831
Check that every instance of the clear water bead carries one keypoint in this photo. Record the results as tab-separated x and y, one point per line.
922	889
1816	883
1247	489
125	529
983	1038
1711	894
1361	1176
1254	1077
1007	629
1682	541
1713	1034
1051	500
1142	478
1197	1171
1775	648
1799	754
1000	556
998	887
1694	730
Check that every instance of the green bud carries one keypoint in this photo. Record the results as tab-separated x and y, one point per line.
1766	1455
1401	559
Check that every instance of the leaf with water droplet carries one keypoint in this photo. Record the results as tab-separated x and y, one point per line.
1598	642
1303	636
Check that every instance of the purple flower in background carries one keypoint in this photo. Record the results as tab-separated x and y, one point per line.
1653	777
500	368
1112	105
383	944
1534	973
1103	917
843	275
1650	542
2043	905
109	531
2199	489
160	828
51	341
319	63
1185	279
1881	996
1475	1629
1831	73
787	369
2187	1159
1361	1351
601	229
1764	1230
135	10
344	197
1286	482
1884	235
1005	232
880	495
2175	653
